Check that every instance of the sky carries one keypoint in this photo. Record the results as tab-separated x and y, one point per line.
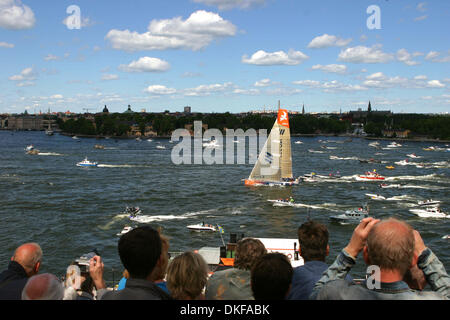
224	55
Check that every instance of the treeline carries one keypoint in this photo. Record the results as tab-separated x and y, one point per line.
431	126
118	124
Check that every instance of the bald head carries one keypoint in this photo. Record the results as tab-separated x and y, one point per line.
390	245
43	287
29	256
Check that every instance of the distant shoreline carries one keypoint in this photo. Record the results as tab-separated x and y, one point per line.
292	135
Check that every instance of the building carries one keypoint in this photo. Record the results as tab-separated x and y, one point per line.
187	109
129	110
396	133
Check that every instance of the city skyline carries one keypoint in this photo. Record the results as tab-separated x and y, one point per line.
224	56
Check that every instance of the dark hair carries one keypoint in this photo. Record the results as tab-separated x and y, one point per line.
313	240
248	250
271	277
139	251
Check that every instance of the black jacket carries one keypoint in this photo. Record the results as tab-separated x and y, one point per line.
12	282
138	289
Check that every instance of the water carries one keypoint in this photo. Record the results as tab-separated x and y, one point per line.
69	210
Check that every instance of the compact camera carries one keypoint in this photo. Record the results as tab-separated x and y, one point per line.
83	261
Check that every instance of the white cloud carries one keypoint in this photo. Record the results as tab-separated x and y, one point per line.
109	77
57	96
263	58
206	90
263	83
421	18
146	64
51	57
160	90
435	56
421	77
230	4
6	45
404	56
435	84
15	15
421	6
194	33
331	68
308	83
330	86
25	74
362	54
251	92
326	40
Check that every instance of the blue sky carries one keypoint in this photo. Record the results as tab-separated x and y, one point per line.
224	55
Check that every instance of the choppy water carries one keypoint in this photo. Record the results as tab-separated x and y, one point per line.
69	210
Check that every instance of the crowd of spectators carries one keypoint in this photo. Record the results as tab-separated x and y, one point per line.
407	270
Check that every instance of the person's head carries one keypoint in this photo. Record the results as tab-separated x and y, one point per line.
187	275
160	269
140	251
271	277
390	245
43	287
313	240
29	256
248	250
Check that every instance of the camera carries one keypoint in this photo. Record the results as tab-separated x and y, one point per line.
83	261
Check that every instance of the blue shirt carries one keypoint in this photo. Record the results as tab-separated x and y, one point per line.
304	279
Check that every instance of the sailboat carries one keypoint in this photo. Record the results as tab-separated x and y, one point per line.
274	165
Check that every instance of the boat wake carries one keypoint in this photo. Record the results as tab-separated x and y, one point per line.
346	158
121	166
49	154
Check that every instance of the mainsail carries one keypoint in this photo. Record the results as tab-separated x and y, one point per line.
274	163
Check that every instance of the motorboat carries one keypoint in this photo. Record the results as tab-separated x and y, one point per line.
283	202
150	140
75	138
394	145
403	162
446	237
370	176
202	227
298	142
432	212
87	163
132	211
429	202
160	147
390	167
375	196
126	229
211	144
29	148
33	152
351	216
386	186
374	144
413	155
99	146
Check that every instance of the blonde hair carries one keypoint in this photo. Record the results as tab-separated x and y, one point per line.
187	275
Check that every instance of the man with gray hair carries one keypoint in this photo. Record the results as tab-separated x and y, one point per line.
43	287
393	247
234	283
24	264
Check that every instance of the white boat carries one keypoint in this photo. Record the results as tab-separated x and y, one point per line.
429	202
283	203
150	140
351	216
433	212
374	144
413	155
386	186
87	163
394	145
211	144
202	227
126	229
132	211
75	138
274	165
138	139
403	162
49	131
375	196
298	142
29	148
160	147
446	237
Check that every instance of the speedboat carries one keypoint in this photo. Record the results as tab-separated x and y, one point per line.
374	144
33	152
126	229
375	196
87	163
403	162
160	147
211	144
283	203
394	145
390	167
202	227
413	155
385	186
351	216
298	142
433	212
75	137
132	211
29	148
369	176
446	237
429	202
